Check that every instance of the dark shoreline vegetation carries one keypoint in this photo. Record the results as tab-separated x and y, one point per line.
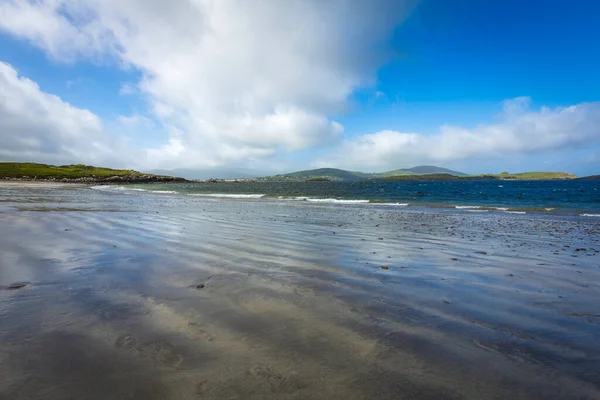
590	178
78	173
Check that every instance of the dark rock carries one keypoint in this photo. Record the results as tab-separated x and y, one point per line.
385	267
16	285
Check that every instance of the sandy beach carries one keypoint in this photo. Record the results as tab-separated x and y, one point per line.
156	296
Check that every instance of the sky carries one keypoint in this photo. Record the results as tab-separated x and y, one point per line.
257	87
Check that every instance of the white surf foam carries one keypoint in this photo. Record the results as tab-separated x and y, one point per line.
229	195
316	200
114	188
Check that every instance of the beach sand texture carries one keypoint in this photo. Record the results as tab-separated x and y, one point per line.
141	296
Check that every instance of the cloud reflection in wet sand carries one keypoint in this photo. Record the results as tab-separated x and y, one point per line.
242	299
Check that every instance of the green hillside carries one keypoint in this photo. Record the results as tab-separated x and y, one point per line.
532	176
44	171
425	170
333	174
77	173
426	177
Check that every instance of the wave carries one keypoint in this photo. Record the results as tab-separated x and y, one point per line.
341	201
590	215
501	209
113	188
228	195
317	200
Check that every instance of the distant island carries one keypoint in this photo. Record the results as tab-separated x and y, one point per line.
423	172
78	174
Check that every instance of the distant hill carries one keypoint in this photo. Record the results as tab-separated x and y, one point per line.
590	178
335	174
425	170
424	177
321	173
533	176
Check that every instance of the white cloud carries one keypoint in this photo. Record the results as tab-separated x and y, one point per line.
520	131
241	83
41	127
235	79
127	88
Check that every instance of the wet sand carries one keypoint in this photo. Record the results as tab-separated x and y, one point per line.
141	296
36	184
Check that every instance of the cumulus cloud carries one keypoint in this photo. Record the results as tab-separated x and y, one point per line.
245	83
41	127
227	79
520	131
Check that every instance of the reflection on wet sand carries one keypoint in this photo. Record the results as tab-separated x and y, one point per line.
170	298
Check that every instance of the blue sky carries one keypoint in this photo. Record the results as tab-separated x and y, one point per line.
481	86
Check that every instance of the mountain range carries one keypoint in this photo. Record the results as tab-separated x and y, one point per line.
343	175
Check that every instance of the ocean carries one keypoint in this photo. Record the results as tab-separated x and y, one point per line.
571	197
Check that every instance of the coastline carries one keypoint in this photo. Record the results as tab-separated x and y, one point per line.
189	297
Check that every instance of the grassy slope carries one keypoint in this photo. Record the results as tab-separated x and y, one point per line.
534	176
43	171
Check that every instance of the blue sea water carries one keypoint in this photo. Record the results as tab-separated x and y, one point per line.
573	197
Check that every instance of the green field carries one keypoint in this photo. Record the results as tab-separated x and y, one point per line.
532	176
44	171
